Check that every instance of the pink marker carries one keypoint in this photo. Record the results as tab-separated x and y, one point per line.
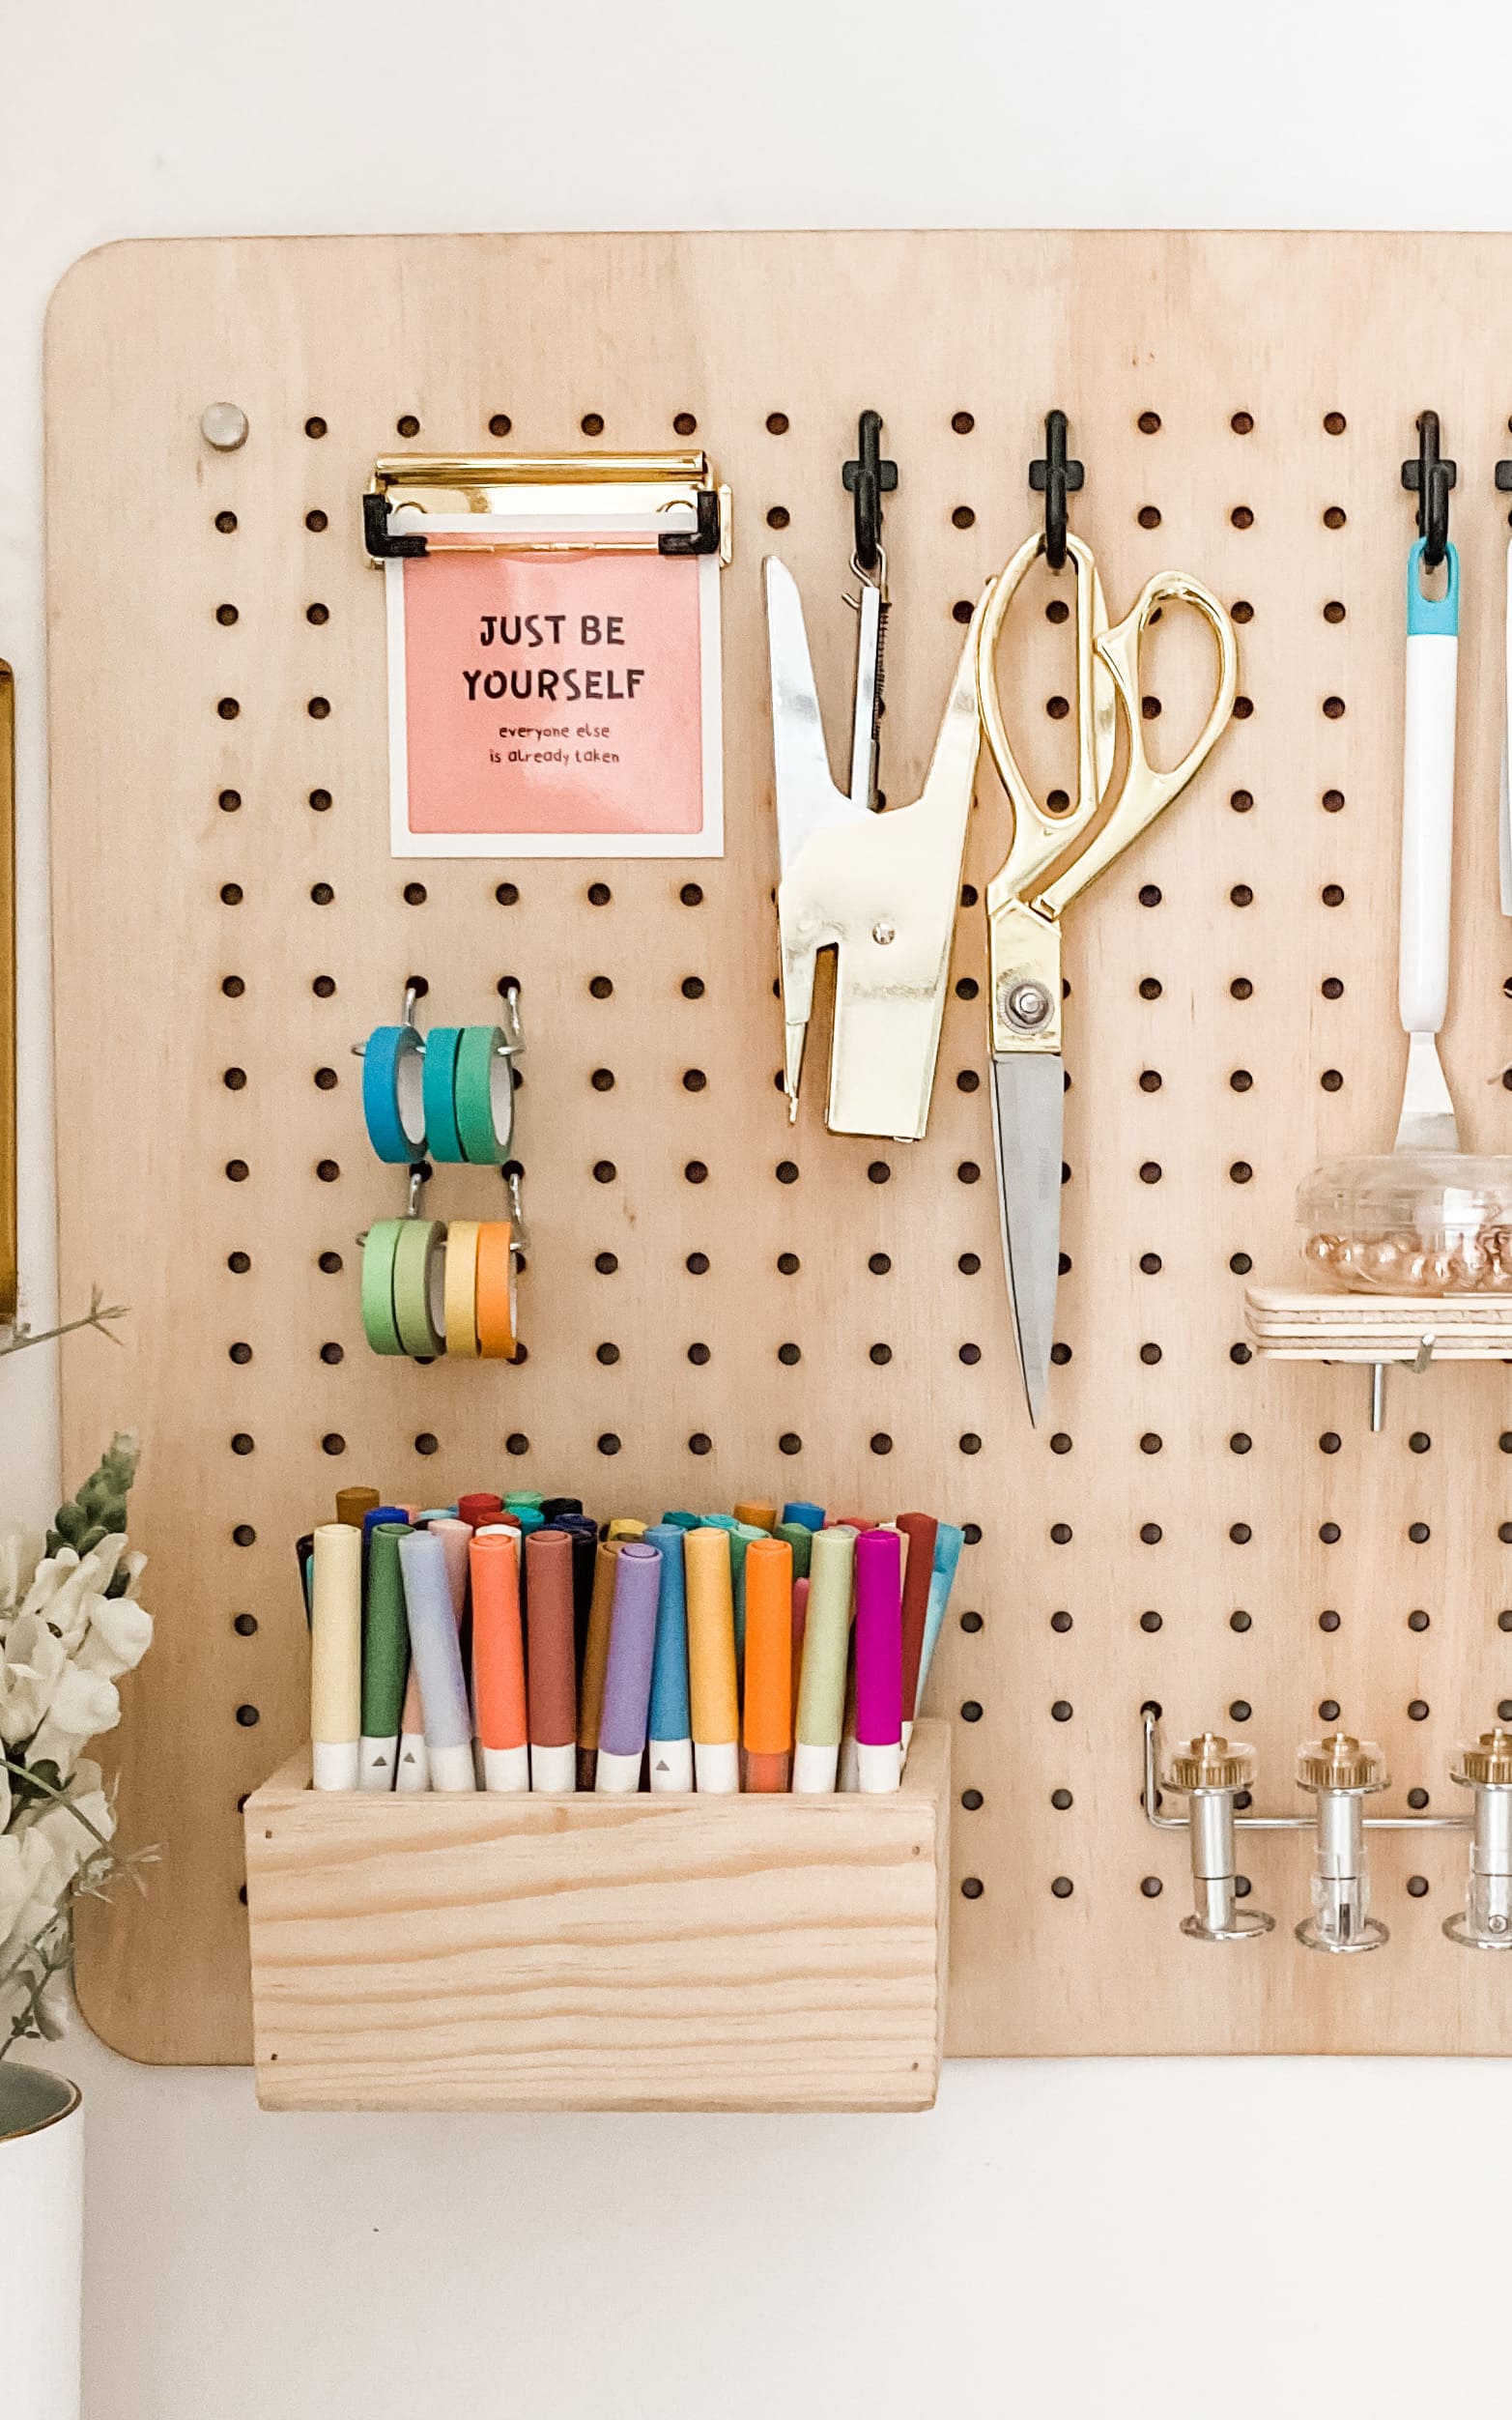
879	1660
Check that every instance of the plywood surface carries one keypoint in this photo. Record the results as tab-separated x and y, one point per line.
1190	1511
596	1953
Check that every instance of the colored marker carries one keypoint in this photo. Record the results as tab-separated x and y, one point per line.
382	1512
768	1713
669	1722
757	1516
678	1521
437	1654
524	1517
807	1515
336	1658
921	1530
595	1661
456	1537
619	1532
415	1759
583	1535
742	1536
552	1684
524	1500
305	1555
879	1661
799	1542
353	1502
499	1661
826	1652
948	1545
386	1657
627	1677
479	1509
552	1507
711	1660
800	1620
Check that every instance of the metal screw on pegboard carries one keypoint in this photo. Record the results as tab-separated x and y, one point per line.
1485	1768
1208	1770
223	425
1342	1773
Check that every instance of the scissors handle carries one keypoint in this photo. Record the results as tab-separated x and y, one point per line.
1040	837
1146	792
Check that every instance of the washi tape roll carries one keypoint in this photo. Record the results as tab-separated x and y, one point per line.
495	1291
419	1308
484	1096
379	1324
460	1290
442	1141
393	1093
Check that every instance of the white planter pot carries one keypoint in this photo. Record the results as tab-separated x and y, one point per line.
42	2192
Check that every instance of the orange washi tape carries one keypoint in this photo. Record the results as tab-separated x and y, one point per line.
494	1294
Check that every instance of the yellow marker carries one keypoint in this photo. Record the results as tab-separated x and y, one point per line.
620	1531
336	1657
711	1660
758	1516
595	1661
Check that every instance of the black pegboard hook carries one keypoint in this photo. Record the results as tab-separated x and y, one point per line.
1055	477
867	479
1430	479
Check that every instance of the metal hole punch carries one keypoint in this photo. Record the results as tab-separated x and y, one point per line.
1342	1773
1485	1768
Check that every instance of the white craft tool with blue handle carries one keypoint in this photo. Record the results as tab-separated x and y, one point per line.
1433	652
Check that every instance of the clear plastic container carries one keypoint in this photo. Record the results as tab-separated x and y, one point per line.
1403	1222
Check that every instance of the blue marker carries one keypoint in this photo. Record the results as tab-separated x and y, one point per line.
948	1544
670	1724
807	1515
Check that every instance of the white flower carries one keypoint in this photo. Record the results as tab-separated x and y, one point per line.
19	1550
119	1634
33	1664
82	1704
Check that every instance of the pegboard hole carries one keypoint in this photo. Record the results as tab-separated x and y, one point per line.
320	801
1335	423
1333	801
778	517
790	1355
1149	424
244	1624
1150	1354
1330	1621
415	894
228	708
315	521
1336	517
962	518
225	523
963	423
968	1263
1151	1263
1417	1620
226	615
1151	1623
500	424
318	709
684	423
971	1888
592	424
1241	989
314	426
330	1264
233	987
789	1263
699	1443
1241	1621
777	425
1241	517
1333	611
691	987
1063	1887
1148	516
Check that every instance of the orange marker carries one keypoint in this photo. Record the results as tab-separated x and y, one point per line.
596	1663
768	1714
499	1706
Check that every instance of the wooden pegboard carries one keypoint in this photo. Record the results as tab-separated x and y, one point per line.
1192	1525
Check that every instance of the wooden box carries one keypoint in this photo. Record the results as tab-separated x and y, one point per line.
497	1952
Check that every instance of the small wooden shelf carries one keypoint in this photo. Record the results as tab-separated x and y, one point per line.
492	1952
1311	1325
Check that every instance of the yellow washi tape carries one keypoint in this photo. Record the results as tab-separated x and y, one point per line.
461	1288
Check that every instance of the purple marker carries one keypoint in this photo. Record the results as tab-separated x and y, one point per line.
879	1660
627	1677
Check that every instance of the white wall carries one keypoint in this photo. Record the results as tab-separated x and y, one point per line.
1050	2231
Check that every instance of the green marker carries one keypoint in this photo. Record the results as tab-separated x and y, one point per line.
386	1657
800	1537
826	1655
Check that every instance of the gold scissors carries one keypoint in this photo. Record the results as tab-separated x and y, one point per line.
1024	908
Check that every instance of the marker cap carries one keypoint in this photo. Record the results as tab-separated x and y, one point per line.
617	1775
413	1770
672	1766
555	1769
452	1768
814	1769
335	1764
507	1769
715	1768
377	1759
879	1769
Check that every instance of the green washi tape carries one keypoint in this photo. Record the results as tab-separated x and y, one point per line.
483	1096
378	1325
439	1090
418	1287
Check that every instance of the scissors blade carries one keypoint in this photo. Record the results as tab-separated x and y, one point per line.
807	798
1028	1111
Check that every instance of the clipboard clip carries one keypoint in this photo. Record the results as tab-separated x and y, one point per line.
487	483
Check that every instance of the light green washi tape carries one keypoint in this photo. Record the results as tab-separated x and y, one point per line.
378	1285
483	1096
418	1285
